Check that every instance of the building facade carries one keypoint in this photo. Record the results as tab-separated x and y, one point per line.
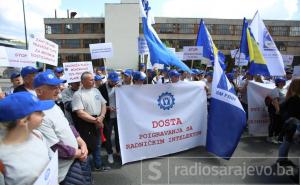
74	35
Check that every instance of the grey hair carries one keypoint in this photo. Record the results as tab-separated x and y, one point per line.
84	75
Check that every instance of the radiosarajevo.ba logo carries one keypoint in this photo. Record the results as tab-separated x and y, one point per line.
166	101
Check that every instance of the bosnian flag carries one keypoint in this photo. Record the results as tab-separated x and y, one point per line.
226	118
159	53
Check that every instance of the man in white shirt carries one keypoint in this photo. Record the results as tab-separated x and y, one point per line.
55	127
89	110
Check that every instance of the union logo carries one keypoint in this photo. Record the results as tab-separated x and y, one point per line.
166	101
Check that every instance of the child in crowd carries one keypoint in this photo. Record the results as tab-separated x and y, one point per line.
23	152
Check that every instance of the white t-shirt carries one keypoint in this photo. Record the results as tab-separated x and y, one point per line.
55	127
24	162
89	100
279	93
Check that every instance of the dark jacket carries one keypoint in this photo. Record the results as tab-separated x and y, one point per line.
104	93
20	88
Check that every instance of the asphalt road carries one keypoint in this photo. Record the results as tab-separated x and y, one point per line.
253	163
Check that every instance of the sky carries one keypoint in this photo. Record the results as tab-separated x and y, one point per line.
12	23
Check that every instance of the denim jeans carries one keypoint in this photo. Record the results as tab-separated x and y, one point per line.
97	161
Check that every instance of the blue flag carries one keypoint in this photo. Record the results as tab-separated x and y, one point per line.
209	49
159	53
226	118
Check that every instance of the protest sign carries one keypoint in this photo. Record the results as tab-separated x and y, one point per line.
12	57
74	70
143	47
192	52
161	119
101	50
43	51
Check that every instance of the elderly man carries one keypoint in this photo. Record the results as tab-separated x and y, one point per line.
108	92
28	73
55	127
89	110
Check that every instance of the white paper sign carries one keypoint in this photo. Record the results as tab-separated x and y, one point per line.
192	52
240	58
43	50
12	57
172	50
101	50
288	59
50	175
161	119
179	55
143	47
74	70
296	72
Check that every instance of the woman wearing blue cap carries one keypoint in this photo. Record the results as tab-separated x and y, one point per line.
23	151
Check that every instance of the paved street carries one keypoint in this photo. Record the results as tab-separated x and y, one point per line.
192	167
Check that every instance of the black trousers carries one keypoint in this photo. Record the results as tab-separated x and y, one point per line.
108	126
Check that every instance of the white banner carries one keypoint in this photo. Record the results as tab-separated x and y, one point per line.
258	116
192	52
156	120
43	50
143	47
50	175
74	70
12	57
101	50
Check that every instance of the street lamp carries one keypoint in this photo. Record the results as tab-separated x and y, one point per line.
25	25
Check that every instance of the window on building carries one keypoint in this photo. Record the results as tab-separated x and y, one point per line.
209	28
280	45
223	29
92	28
72	28
294	31
53	28
87	57
168	28
293	44
58	42
238	29
227	44
186	28
87	42
182	43
280	31
72	43
72	58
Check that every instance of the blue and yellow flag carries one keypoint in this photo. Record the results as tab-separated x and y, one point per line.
249	46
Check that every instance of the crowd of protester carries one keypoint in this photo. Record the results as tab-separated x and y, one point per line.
41	114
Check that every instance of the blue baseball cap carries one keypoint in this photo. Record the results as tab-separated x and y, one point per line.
230	76
280	80
195	71
28	70
59	70
209	73
128	72
14	75
21	104
98	77
113	76
173	73
142	65
138	75
46	78
103	68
